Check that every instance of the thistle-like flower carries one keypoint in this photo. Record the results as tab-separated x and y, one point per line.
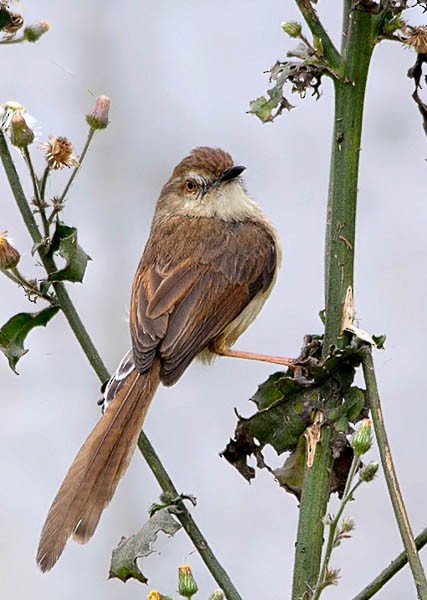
187	585
21	135
417	38
32	33
59	153
9	257
10	109
362	439
98	116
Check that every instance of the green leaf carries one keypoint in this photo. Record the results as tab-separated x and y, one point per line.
64	243
123	561
379	341
14	332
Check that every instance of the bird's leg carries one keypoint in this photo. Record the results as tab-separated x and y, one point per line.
221	349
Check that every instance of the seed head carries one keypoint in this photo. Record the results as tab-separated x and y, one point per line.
417	38
59	153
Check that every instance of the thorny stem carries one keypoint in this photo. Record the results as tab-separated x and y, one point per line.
390	475
394	567
353	64
310	16
153	461
76	169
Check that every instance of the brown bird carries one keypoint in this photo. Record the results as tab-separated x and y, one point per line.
208	267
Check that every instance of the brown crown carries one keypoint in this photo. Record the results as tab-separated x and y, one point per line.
212	161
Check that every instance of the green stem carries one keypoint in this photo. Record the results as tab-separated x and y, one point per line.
331	54
37	194
394	567
76	169
391	478
314	501
95	360
347	495
184	516
13	41
43	183
356	53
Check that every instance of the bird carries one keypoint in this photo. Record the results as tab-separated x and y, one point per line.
209	264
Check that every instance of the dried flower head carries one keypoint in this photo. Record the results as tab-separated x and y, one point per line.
32	33
21	134
98	116
417	38
59	153
187	585
9	257
15	23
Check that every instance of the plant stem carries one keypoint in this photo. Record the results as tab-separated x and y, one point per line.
314	500
394	567
330	52
390	475
356	53
187	521
218	572
37	194
43	183
76	169
348	494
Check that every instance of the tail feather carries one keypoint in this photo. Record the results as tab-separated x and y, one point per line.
98	467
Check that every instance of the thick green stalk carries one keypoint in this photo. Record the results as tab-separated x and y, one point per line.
357	47
314	500
391	478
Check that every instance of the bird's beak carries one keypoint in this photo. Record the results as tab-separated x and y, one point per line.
232	173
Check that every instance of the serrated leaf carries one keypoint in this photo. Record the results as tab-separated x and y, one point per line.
64	242
14	332
124	557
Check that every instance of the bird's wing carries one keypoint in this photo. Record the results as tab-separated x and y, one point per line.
181	304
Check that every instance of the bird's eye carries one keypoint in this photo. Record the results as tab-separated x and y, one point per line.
190	185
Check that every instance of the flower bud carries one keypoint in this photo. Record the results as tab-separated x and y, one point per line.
98	116
32	33
292	28
154	595
9	257
21	135
187	585
59	153
362	439
368	472
217	595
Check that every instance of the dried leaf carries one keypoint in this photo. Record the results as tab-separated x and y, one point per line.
124	558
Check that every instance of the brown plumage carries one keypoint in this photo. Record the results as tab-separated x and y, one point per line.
208	266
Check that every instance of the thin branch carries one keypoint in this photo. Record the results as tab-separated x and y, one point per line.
394	567
187	520
310	16
390	475
76	169
37	193
153	461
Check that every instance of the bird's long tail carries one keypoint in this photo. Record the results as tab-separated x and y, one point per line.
98	467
